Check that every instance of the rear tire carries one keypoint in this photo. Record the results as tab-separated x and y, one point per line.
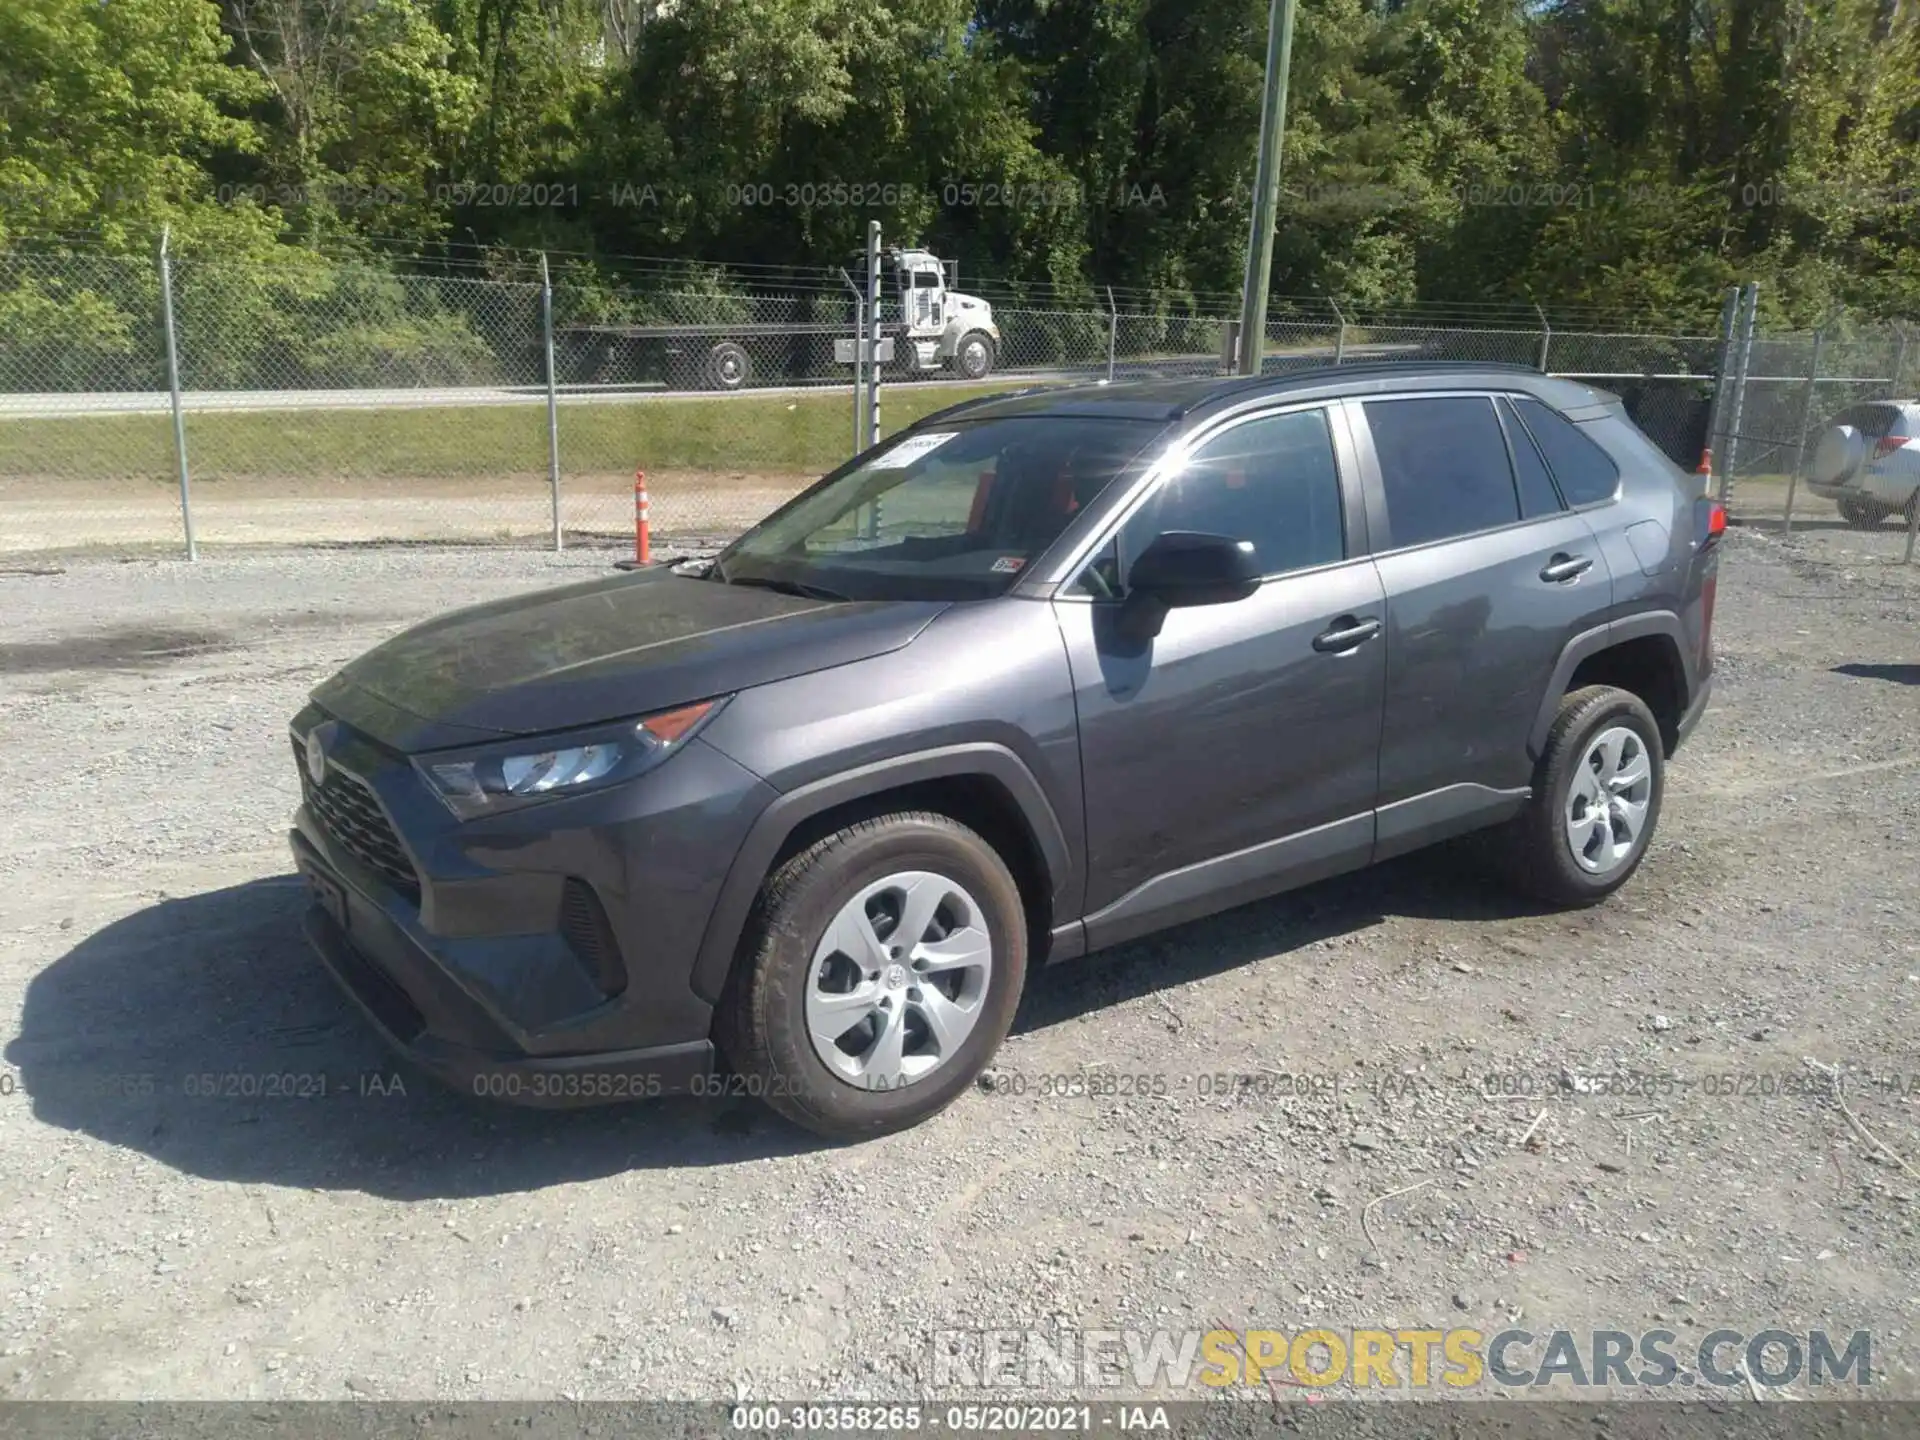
729	367
1596	800
923	1012
1864	514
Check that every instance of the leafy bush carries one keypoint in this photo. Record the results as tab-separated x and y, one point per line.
428	350
68	326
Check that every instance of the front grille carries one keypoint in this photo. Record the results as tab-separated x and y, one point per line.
352	817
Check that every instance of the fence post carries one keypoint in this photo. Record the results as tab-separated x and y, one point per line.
1806	419
553	402
1113	332
1340	336
875	329
1899	355
859	364
1744	357
1546	337
173	389
1722	368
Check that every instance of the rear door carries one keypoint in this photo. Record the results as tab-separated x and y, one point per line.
1487	576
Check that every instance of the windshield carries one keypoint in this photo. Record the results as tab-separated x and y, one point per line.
954	512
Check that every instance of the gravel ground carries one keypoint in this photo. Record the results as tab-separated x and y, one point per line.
1453	1148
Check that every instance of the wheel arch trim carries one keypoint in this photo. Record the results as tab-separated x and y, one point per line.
790	810
1664	624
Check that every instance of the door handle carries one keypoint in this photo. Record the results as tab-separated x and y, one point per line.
1346	633
1564	567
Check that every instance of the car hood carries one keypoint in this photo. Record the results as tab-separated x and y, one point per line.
625	645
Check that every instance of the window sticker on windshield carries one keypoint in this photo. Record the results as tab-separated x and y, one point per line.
1007	564
911	449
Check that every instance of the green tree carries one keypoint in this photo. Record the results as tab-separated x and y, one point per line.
110	116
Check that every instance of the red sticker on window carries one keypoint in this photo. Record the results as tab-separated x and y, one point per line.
1007	564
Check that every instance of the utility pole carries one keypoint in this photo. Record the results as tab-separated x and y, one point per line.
1266	187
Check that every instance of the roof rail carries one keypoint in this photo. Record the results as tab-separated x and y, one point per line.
979	400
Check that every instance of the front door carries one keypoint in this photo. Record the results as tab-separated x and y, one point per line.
1235	753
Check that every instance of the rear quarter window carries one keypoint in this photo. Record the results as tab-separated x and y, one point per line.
1585	473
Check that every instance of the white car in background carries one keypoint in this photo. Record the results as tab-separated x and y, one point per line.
1867	461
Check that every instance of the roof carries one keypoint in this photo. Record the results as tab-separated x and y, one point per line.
1170	400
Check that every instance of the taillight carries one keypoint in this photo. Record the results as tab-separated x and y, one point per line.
1710	522
1710	518
1886	445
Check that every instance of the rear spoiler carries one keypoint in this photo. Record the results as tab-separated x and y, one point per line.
1598	404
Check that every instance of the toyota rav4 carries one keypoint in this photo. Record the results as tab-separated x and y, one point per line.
1043	673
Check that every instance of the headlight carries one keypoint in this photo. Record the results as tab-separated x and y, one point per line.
493	778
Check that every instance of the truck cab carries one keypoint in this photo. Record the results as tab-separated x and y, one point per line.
935	327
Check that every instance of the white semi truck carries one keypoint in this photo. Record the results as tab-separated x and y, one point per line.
934	329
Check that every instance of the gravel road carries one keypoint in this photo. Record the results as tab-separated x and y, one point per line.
1420	1120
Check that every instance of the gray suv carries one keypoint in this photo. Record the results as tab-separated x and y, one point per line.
1045	672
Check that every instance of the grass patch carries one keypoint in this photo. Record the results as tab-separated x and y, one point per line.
784	433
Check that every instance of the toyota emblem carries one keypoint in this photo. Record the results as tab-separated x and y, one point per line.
316	758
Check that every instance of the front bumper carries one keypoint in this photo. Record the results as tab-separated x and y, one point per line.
544	1081
542	957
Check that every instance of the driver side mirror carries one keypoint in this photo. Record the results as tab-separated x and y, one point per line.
1186	567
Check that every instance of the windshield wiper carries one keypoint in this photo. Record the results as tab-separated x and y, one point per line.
785	587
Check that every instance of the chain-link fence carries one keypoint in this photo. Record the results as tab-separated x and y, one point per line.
79	464
1787	391
147	403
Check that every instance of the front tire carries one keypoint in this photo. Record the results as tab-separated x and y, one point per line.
886	964
973	357
1596	800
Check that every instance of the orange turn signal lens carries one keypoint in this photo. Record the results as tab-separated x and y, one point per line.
669	725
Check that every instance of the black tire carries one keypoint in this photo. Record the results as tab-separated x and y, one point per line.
1863	514
1537	856
762	1027
729	367
973	356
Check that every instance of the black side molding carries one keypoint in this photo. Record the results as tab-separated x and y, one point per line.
1591	642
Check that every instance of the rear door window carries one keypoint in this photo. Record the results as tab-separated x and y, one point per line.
1537	495
1444	466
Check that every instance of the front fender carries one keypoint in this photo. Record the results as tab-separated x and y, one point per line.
789	811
